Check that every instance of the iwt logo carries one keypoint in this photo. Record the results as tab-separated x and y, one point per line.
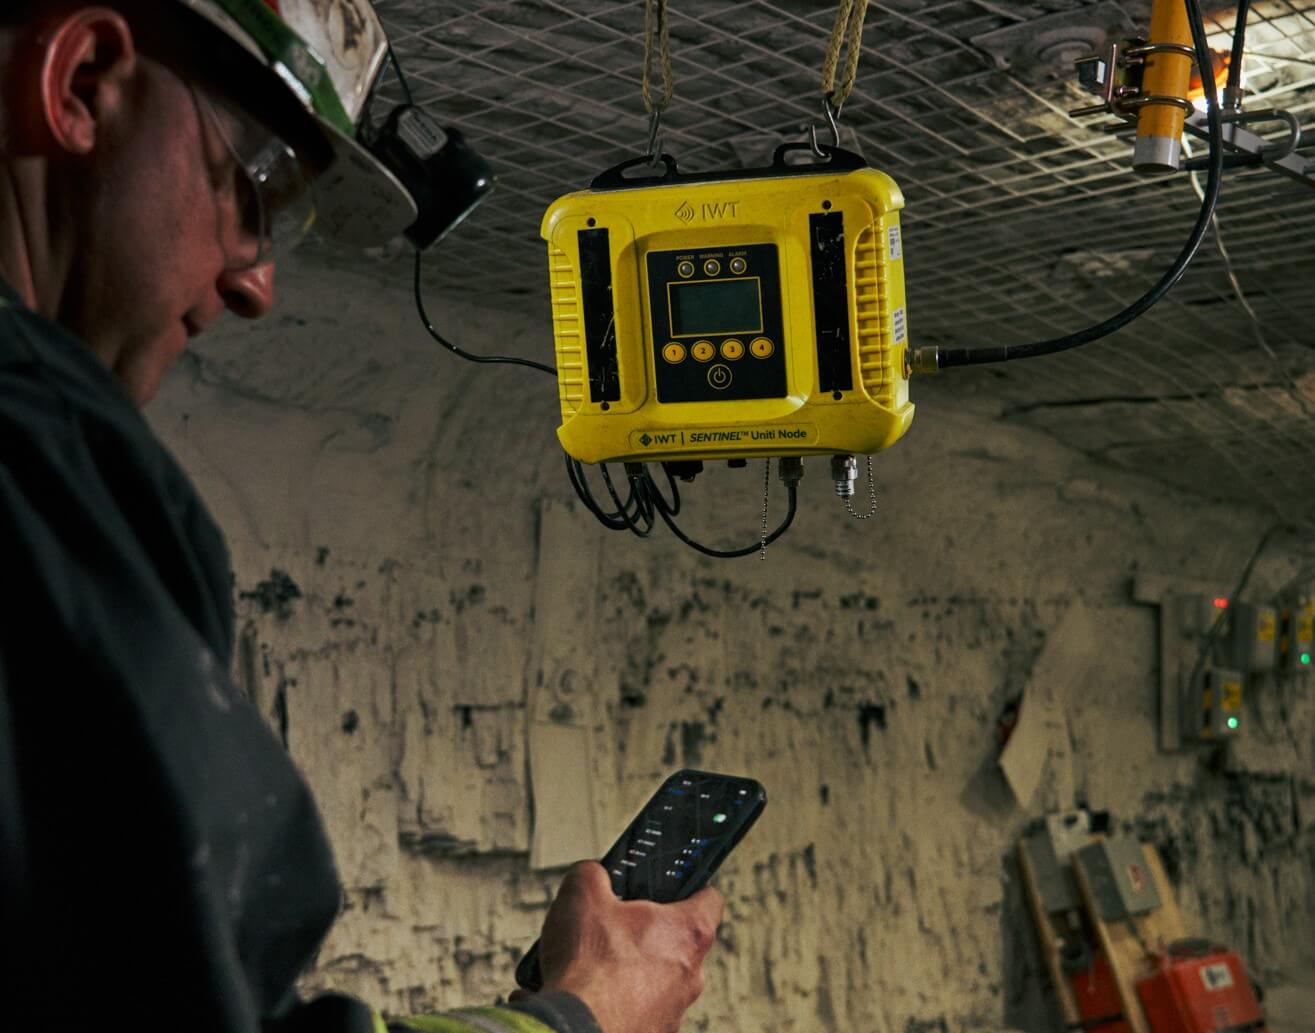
709	211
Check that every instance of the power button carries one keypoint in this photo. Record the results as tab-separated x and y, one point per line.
719	376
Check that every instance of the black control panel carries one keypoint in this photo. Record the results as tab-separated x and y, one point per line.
717	328
599	316
826	251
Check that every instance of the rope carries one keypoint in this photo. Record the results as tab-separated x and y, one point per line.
655	24
848	29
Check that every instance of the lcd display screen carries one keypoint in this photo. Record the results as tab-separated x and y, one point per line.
716	307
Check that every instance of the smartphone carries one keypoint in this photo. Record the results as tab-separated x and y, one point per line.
675	843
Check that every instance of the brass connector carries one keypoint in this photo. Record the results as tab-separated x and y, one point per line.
926	360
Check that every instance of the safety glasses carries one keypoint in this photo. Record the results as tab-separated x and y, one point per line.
271	186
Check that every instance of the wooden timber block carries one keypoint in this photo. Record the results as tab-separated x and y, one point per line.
1049	932
1133	944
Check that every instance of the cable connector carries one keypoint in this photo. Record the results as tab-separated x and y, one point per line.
926	360
844	471
790	470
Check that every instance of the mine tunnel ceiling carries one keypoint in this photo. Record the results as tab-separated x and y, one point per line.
1021	223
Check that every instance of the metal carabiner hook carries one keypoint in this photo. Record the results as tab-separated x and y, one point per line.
830	112
654	136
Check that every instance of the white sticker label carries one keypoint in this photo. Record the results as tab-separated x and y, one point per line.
1217	977
898	325
896	247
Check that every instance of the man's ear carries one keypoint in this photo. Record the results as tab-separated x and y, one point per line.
90	57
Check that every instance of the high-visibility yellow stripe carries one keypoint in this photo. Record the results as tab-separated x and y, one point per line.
475	1020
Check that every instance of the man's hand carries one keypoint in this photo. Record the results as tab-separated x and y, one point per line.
637	965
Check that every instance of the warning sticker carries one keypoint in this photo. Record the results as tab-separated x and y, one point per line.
899	326
1217	977
896	245
703	438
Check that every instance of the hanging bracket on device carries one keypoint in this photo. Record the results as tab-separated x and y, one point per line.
1115	76
831	113
626	175
654	152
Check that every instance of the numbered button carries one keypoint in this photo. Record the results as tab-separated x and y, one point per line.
732	349
762	347
703	351
738	266
719	376
685	269
674	352
712	267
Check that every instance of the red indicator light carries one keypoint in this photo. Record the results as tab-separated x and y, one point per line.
1221	603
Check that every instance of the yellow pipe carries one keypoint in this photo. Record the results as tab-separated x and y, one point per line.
1160	126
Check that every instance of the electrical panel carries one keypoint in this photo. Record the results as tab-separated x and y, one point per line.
1217	713
1054	880
1120	879
1198	614
1214	650
1253	637
1297	639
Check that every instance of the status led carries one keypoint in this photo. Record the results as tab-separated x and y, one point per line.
1232	722
719	818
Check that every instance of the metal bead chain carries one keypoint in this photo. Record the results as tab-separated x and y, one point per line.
872	498
767	487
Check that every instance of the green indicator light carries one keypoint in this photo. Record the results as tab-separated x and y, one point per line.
1305	658
719	818
1232	722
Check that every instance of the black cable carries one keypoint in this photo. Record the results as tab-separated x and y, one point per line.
468	356
575	472
401	76
612	521
1233	91
672	508
1005	353
631	522
420	302
792	491
647	501
644	489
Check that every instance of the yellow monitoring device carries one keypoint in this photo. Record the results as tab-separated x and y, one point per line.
730	315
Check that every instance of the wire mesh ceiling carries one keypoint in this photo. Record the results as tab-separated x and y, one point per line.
1020	223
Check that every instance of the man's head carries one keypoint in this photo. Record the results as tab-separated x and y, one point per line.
129	209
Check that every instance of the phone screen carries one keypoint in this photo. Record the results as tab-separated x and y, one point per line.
681	835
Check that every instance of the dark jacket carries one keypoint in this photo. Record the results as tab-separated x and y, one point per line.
161	859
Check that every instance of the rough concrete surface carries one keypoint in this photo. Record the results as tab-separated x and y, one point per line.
384	504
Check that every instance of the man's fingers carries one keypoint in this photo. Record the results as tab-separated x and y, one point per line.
586	885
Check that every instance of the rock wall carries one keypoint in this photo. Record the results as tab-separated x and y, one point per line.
418	592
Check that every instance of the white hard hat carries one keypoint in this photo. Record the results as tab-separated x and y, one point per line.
329	54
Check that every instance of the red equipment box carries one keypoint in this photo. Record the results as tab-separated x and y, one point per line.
1097	996
1200	988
